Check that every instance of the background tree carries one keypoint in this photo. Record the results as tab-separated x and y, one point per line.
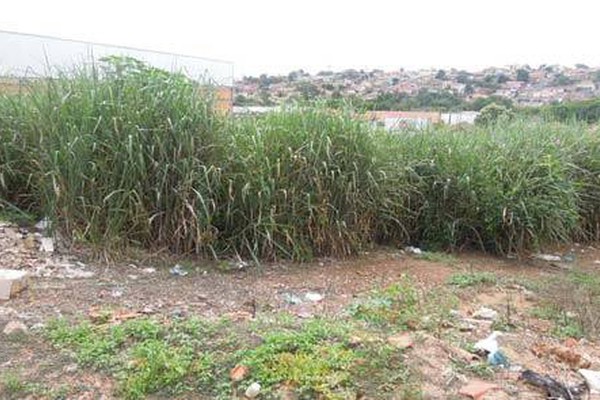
522	75
493	113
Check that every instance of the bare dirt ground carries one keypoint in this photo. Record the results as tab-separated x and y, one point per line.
68	286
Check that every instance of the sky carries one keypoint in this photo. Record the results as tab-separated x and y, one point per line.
276	37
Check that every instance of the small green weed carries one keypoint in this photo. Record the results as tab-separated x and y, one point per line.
479	369
565	324
388	374
14	387
439	257
313	359
403	305
94	346
155	365
395	305
13	384
469	279
572	301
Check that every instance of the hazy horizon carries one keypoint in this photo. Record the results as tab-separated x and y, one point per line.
265	37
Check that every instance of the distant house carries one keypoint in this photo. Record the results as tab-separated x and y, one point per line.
586	86
465	117
395	120
253	110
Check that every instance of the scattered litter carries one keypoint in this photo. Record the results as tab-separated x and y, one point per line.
476	389
253	390
490	344
178	313
37	326
498	359
70	369
485	313
15	327
413	250
304	314
569	257
72	272
291	298
116	293
178	270
313	296
149	270
43	225
240	264
401	340
133	277
592	379
562	354
238	373
47	245
489	348
548	257
148	310
465	326
7	312
12	281
553	388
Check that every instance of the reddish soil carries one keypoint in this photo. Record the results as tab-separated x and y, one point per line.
209	292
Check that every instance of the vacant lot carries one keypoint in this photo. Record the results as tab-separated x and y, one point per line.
386	325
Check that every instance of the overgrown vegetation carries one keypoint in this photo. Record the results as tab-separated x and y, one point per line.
125	155
586	110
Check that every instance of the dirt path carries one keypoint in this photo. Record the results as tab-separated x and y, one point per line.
62	286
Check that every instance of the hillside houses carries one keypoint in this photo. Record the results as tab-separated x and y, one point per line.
522	85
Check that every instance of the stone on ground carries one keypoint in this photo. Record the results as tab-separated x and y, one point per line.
477	389
11	282
592	379
401	340
14	327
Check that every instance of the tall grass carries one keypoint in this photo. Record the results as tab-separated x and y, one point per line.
502	188
302	183
123	154
117	154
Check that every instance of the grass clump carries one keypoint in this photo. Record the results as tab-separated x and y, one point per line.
115	154
469	279
402	305
396	305
565	324
301	183
12	386
313	360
